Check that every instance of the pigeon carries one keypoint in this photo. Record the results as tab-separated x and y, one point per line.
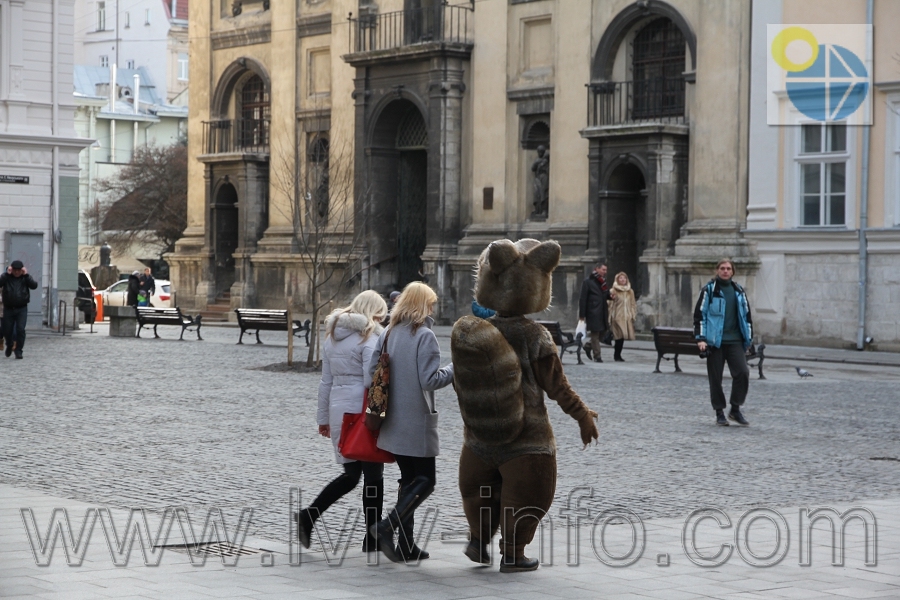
803	373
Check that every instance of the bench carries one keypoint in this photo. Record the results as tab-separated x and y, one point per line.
256	319
673	340
148	315
567	342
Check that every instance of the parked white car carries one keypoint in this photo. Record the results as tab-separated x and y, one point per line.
117	294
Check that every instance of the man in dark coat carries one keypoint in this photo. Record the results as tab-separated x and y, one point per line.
148	284
592	307
134	288
16	285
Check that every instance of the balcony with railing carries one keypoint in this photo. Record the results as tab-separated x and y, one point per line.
227	136
658	100
443	26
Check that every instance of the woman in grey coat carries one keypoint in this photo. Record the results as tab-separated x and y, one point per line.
410	428
350	338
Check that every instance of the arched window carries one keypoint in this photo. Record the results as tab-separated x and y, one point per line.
658	67
254	126
537	133
412	134
317	173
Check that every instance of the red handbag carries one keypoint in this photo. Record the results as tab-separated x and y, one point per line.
358	442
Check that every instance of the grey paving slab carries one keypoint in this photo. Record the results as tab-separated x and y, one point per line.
238	437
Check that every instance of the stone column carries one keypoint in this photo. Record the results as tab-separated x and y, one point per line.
446	90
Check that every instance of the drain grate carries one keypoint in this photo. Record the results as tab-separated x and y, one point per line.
215	549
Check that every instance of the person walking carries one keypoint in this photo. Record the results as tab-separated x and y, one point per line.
724	329
410	428
622	312
350	338
16	285
134	288
592	306
392	298
148	284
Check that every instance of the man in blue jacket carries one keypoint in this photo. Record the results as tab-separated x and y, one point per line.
724	330
16	285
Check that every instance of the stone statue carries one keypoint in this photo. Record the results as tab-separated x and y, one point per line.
541	184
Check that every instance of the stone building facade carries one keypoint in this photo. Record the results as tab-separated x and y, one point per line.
640	106
39	151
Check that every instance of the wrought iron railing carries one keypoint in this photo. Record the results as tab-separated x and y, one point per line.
657	100
443	22
236	135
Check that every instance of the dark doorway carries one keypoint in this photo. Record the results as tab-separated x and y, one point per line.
422	20
412	194
411	214
225	236
627	233
398	176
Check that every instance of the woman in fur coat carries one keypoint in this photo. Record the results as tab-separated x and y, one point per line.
410	428
351	335
622	312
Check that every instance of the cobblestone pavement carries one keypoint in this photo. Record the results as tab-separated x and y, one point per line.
153	423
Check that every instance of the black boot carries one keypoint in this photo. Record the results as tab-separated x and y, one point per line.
305	522
518	565
411	497
406	542
373	503
477	551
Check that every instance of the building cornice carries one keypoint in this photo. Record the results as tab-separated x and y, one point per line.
45	140
261	34
314	25
888	86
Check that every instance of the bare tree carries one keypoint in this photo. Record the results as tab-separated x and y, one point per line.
145	202
318	196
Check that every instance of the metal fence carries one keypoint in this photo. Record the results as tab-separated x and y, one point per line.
441	23
659	100
236	135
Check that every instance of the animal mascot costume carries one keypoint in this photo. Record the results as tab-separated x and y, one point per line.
502	367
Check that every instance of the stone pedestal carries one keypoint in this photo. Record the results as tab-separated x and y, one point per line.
122	320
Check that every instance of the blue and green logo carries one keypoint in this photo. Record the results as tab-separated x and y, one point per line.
825	82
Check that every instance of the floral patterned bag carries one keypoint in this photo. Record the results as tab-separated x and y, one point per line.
377	399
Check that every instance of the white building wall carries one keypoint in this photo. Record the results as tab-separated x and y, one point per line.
807	287
145	44
31	145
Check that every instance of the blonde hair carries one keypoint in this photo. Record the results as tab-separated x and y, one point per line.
414	305
622	274
369	304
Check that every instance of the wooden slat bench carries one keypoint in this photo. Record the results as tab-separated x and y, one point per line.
148	315
567	342
257	319
673	340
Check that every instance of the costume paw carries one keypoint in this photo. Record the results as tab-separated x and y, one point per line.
588	426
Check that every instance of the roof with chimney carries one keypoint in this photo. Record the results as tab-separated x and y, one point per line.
92	83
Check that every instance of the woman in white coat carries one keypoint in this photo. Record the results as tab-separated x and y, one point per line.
350	337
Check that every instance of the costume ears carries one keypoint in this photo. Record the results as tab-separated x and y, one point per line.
544	256
501	254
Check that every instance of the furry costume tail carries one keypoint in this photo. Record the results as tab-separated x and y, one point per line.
487	377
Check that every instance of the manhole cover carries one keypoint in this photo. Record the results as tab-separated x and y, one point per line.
215	549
